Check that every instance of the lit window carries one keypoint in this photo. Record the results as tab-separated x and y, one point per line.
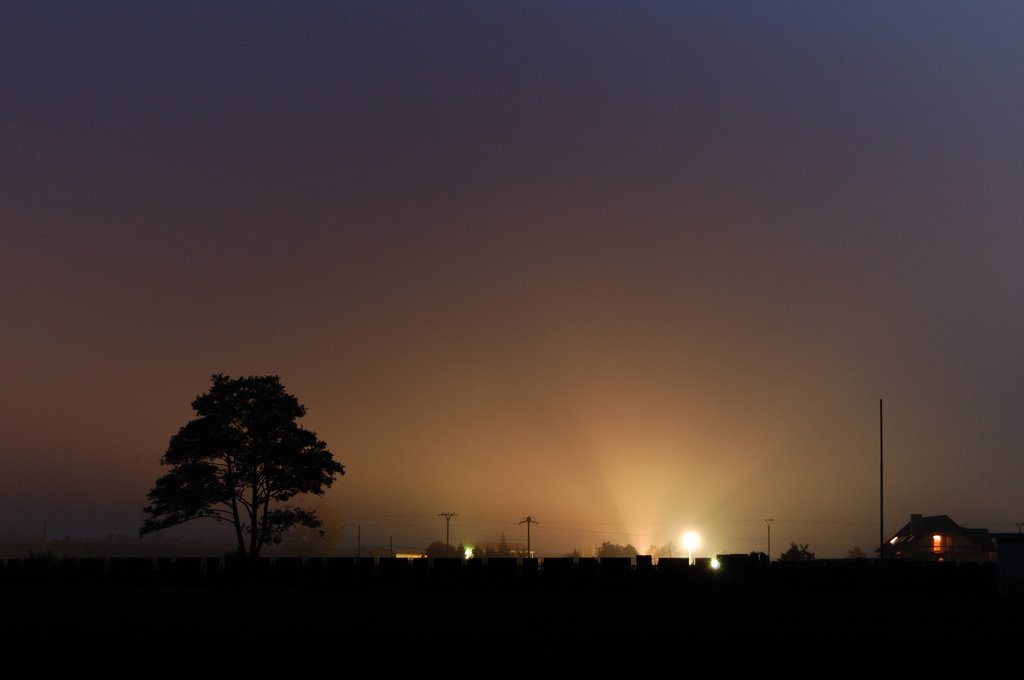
941	544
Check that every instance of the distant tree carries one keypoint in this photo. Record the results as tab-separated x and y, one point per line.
439	549
322	541
667	550
41	557
760	557
796	553
241	461
609	549
502	549
855	552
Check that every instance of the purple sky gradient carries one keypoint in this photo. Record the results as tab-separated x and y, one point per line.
627	268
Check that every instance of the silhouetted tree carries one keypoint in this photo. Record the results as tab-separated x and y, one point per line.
796	553
667	550
40	558
439	549
240	462
502	549
322	541
609	549
855	552
760	557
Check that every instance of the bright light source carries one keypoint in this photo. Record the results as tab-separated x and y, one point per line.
893	540
468	552
715	564
690	541
937	539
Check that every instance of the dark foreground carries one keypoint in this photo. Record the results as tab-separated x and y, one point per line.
632	620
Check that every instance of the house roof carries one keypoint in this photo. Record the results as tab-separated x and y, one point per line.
981	538
920	527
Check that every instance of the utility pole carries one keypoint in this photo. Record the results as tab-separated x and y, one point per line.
881	487
447	526
359	540
768	521
528	520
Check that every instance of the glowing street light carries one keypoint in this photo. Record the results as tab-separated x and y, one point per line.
691	539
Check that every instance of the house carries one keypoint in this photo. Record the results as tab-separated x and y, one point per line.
938	538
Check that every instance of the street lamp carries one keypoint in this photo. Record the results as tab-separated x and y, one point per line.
690	541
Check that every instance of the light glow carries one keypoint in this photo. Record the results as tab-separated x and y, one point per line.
691	539
715	564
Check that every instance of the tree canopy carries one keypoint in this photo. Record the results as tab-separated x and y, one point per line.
241	461
503	549
440	549
796	553
609	549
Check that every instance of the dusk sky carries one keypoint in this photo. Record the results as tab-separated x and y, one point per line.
629	268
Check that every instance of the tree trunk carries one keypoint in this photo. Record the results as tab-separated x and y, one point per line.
265	519
230	483
254	521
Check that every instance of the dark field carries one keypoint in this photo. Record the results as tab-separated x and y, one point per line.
636	619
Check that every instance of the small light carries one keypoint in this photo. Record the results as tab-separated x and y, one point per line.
715	564
937	539
468	552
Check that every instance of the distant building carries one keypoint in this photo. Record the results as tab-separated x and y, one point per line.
1010	550
938	538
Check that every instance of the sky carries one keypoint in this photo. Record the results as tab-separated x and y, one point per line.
628	268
